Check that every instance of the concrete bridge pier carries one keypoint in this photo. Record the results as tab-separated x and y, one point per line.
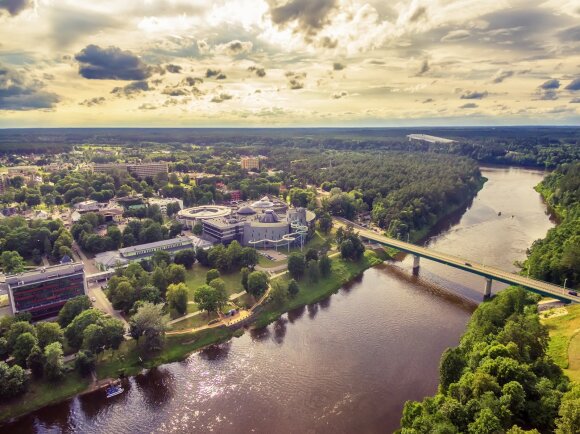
416	260
488	283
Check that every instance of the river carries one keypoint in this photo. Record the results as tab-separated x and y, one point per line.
346	364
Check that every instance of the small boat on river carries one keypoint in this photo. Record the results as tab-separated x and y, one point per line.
114	390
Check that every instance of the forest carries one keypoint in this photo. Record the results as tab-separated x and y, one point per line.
556	258
404	192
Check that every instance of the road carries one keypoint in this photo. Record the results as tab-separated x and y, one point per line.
102	303
538	286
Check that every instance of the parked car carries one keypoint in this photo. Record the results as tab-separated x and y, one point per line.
468	264
574	293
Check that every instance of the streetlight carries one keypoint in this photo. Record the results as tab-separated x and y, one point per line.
565	280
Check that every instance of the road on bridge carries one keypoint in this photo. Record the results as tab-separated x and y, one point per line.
538	286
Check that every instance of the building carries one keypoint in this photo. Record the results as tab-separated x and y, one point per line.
141	170
124	256
263	223
162	203
86	206
249	163
44	291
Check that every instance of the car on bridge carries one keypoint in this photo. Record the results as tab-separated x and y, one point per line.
574	293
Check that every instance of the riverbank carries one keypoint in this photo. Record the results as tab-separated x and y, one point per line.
564	346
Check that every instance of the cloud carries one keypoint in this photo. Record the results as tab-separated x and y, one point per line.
111	63
571	34
131	89
469	105
309	15
235	48
19	93
501	75
69	24
328	42
575	100
215	73
295	80
428	100
191	81
419	14
574	85
221	97
474	95
337	66
174	69
175	91
260	72
550	84
546	95
339	95
456	35
147	106
98	100
424	68
14	7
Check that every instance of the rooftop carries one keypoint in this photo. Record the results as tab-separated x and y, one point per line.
44	273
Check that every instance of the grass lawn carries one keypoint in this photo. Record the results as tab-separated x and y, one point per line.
126	359
565	341
268	263
42	393
195	278
342	272
193	321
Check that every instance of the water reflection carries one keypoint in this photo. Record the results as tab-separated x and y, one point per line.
216	352
280	328
157	387
296	314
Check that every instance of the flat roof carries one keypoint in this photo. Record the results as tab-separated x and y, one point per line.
44	273
156	244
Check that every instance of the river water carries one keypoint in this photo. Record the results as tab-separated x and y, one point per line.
346	364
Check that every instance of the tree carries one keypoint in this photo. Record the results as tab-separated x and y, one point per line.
17	329
218	284
211	275
325	223
72	308
74	331
123	296
202	257
450	367
48	332
149	323
486	423
569	421
325	265
93	338
13	381
159	280
175	273
175	229
113	332
311	254
161	258
35	361
313	271
296	265
12	262
257	283
53	361
209	298
245	272
185	258
197	229
85	362
278	293
293	288
22	348
234	254
177	297
249	257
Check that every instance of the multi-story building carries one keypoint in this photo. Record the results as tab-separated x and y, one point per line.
141	170
162	203
44	291
86	206
249	163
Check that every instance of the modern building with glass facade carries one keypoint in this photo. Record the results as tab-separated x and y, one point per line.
44	291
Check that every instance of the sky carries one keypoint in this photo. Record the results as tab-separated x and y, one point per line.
138	63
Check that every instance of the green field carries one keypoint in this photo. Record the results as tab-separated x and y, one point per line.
195	278
564	345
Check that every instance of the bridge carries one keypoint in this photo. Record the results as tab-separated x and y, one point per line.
489	273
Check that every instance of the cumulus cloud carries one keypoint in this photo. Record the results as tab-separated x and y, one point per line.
337	66
424	68
339	95
550	84
175	91
469	105
295	80
14	7
574	85
131	89
174	69
215	73
221	97
428	100
571	34
501	75
235	48
456	35
309	16
111	63
19	93
147	106
575	100
191	81
260	72
98	100
474	95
